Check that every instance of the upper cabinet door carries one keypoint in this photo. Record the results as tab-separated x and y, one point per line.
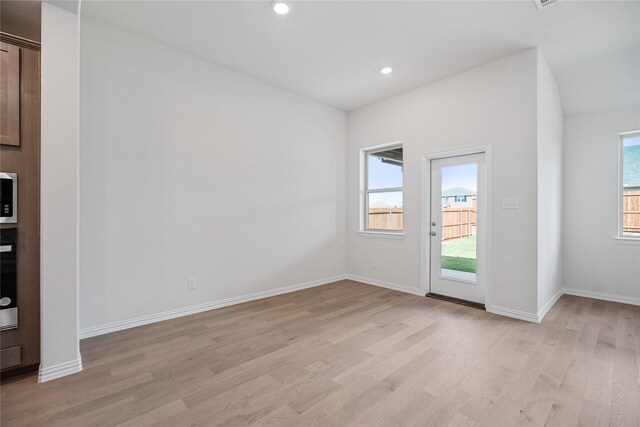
9	95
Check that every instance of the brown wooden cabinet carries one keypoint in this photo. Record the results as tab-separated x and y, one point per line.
20	154
9	94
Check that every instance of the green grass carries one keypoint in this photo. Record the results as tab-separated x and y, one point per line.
459	264
460	254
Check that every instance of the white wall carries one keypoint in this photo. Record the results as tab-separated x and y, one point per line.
59	194
549	186
492	104
189	170
593	260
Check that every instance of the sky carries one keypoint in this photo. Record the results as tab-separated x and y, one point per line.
631	165
628	142
465	176
385	175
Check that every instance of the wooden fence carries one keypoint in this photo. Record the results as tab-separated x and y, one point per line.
461	222
631	212
386	218
457	222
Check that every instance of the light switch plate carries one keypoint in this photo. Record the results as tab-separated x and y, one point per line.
509	203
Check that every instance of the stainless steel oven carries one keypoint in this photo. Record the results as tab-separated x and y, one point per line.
8	279
9	197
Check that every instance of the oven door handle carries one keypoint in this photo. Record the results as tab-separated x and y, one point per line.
5	248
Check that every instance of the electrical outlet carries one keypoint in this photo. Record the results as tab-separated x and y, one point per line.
191	284
374	264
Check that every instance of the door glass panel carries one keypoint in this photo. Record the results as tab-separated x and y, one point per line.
459	219
385	211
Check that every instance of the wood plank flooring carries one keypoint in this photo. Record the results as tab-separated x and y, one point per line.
351	354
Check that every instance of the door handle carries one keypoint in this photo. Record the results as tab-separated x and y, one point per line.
5	248
433	233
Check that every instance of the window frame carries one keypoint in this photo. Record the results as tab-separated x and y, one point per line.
621	236
365	191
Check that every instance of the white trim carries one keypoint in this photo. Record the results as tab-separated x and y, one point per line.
185	311
522	315
456	279
544	310
387	285
602	296
385	190
622	237
630	133
627	240
425	215
364	188
61	370
383	147
516	314
620	190
381	234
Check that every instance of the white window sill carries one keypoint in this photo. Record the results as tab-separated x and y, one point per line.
627	240
381	234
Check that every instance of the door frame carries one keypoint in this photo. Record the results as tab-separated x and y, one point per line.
425	215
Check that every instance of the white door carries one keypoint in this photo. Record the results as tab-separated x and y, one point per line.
458	226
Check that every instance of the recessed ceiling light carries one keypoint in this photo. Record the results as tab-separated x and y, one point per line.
386	70
281	7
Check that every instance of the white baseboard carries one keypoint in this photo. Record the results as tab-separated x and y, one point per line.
503	311
61	370
75	366
383	284
179	312
602	295
544	310
516	314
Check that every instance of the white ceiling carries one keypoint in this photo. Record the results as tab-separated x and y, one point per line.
332	51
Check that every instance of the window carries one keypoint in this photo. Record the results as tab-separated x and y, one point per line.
630	183
382	183
461	199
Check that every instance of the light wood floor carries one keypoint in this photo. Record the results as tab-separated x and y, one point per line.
351	354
